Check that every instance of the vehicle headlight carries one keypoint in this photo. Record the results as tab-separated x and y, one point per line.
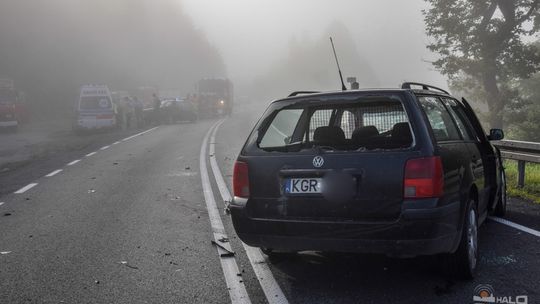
222	102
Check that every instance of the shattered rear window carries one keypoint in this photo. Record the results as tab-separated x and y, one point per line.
365	124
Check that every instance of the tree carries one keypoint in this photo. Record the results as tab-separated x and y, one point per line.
482	41
524	113
310	65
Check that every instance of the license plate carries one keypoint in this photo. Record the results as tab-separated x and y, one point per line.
303	185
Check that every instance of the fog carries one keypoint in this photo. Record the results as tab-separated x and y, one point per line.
267	47
50	48
255	37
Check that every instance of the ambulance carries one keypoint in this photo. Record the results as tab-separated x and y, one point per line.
95	109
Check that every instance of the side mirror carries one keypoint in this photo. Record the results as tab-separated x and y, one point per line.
496	134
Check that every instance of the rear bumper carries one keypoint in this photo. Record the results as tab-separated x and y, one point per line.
92	124
11	123
419	231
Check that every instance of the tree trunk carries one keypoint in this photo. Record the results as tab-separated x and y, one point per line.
494	99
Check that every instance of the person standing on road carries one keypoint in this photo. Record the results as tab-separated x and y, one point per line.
129	111
138	107
124	110
119	113
157	105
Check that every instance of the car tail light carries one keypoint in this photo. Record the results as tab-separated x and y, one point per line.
241	179
423	178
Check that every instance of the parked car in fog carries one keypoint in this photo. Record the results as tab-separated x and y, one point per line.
174	110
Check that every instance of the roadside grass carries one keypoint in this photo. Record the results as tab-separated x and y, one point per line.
531	190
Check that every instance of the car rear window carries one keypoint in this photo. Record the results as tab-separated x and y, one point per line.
366	124
95	103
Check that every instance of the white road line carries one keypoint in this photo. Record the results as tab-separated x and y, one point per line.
269	285
91	154
26	188
237	289
514	225
139	134
74	162
1	203
105	148
116	143
53	173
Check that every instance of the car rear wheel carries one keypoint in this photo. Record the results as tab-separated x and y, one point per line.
500	208
463	263
267	251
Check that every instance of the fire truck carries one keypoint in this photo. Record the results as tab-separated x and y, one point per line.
215	96
12	109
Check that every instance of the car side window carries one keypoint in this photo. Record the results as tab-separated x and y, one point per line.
440	120
462	122
281	129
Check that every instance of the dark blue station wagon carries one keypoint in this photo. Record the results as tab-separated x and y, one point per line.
401	172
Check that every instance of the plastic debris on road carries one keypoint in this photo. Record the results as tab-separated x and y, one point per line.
228	253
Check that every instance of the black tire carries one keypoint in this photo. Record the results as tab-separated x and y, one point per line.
277	255
500	208
267	251
464	262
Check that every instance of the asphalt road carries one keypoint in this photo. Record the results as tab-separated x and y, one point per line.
132	223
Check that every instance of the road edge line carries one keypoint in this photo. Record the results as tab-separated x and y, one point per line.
264	275
237	289
515	225
139	134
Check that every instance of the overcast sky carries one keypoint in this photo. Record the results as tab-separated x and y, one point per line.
253	34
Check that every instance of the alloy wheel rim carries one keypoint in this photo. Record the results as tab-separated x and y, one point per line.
472	239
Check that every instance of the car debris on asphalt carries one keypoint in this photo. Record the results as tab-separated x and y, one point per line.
228	253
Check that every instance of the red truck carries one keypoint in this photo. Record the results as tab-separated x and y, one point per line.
215	96
12	105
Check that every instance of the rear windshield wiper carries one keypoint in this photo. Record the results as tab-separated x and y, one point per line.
321	148
300	145
291	147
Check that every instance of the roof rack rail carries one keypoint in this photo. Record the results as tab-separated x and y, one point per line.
296	93
427	87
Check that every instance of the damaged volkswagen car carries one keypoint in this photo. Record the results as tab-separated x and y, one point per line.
401	172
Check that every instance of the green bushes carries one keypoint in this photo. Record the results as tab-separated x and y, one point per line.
532	180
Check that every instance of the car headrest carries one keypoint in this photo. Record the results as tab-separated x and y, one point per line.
329	135
364	132
402	132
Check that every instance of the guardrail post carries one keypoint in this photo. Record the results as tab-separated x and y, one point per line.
521	173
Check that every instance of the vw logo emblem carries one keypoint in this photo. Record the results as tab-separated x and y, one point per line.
318	161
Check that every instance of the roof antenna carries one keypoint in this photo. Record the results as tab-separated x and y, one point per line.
343	87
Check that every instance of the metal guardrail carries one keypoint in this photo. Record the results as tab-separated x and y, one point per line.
522	151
